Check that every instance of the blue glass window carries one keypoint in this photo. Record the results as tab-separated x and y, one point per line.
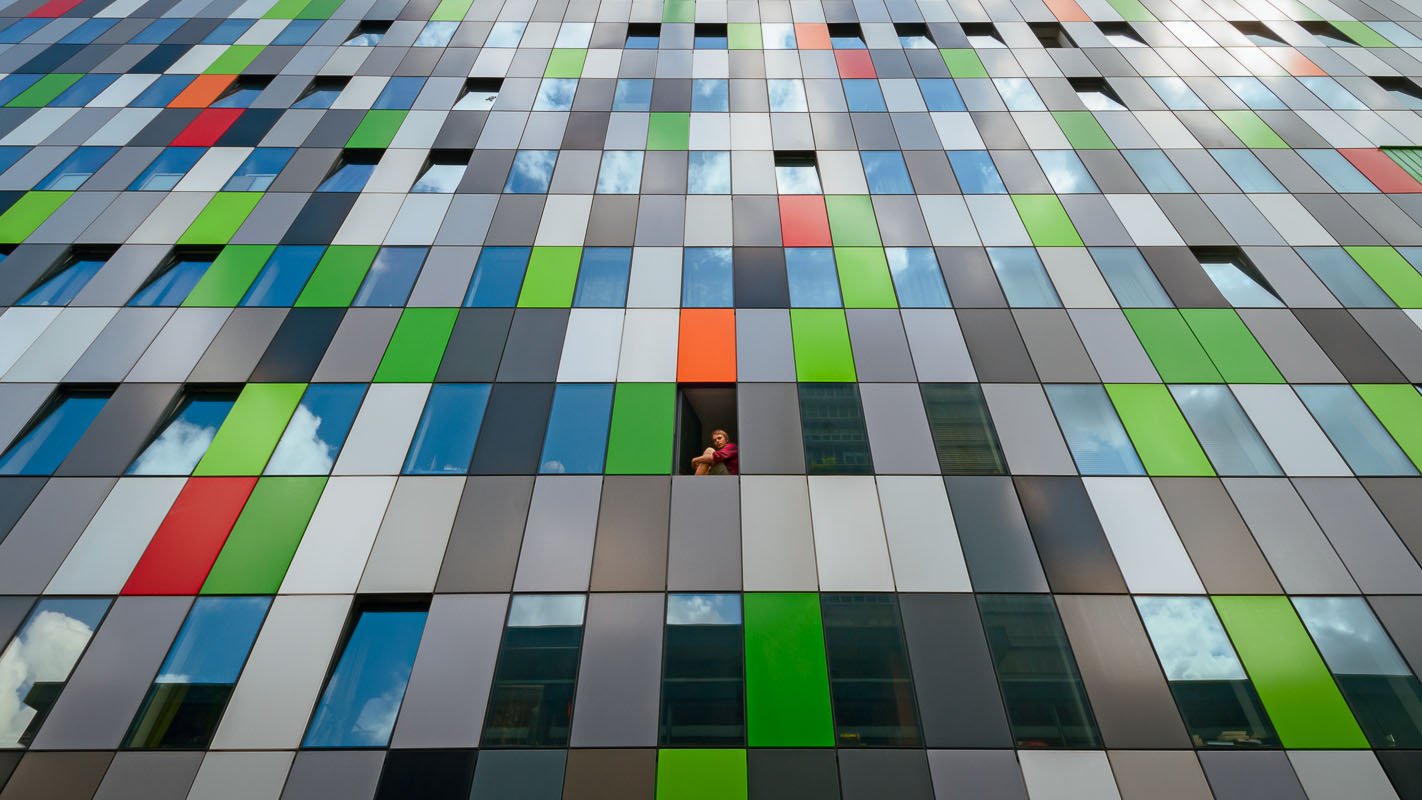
351	172
283	276
1247	171
917	277
710	37
242	93
1342	275
317	429
505	34
321	93
23	29
362	697
162	91
941	94
1224	430
556	94
1239	282
259	169
9	156
708	172
602	277
185	439
787	95
1177	94
1094	433
796	173
621	172
186	700
228	31
975	172
1253	92
443	172
83	90
391	277
710	95
171	286
1130	278
39	659
444	440
532	172
298	31
632	94
1024	280
436	33
576	442
167	169
11	86
1065	171
368	33
41	449
863	95
814	281
78	167
643	36
1359	437
1340	174
1018	94
498	277
399	93
1156	171
158	30
1332	93
706	280
886	172
62	286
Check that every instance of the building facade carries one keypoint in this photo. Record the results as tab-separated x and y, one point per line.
710	399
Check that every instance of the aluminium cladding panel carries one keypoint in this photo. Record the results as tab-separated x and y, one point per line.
777	540
413	535
617	703
630	554
449	685
704	549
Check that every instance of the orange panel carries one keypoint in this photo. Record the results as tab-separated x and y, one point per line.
1067	11
1295	62
812	36
202	91
706	348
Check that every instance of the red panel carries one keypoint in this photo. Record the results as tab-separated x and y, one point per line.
803	221
1382	171
55	8
854	64
182	551
207	128
706	348
812	36
1067	11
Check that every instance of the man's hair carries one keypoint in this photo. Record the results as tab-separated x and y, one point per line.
721	431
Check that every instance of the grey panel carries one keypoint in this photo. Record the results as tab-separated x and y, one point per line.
38	543
632	529
358	345
768	417
534	345
999	356
1027	430
16	494
239	345
958	700
1159	775
1249	776
876	774
996	541
1225	555
775	774
1300	555
1399	614
241	776
1399	501
56	776
899	438
519	775
764	349
1363	538
625	774
149	776
558	541
476	345
705	549
488	532
1074	550
1349	346
1398	336
449	686
617	703
334	775
976	775
119	346
1057	353
1289	346
121	429
881	351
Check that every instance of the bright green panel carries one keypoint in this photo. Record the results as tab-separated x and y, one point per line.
1234	350
565	62
28	213
285	9
1392	273
221	218
822	350
1158	430
552	275
744	35
43	91
1291	678
1251	130
1047	222
337	277
864	277
319	9
230	275
679	11
251	431
963	63
1361	33
669	130
1174	350
377	128
451	10
259	550
787	681
1082	130
639	441
417	346
236	59
1398	407
851	219
1132	10
701	775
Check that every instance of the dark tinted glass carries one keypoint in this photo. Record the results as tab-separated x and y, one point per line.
531	702
832	423
869	671
703	674
962	429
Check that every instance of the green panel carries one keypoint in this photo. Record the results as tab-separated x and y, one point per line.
963	63
1132	10
417	346
852	221
787	681
1409	158
1082	130
230	275
701	775
1251	130
552	275
744	36
1291	678
256	555
337	277
1392	273
1162	438
1177	355
377	129
1235	351
236	59
565	62
285	9
252	429
319	9
43	91
679	11
639	441
864	277
1361	33
1047	222
451	10
822	350
28	213
221	218
669	130
1398	407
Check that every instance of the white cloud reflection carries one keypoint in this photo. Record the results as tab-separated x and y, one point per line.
1189	639
703	609
45	651
546	610
1349	636
180	447
621	172
301	450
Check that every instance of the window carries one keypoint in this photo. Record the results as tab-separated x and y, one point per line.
1327	35
710	94
962	429
94	28
885	172
317	429
706	277
443	172
227	31
1224	431
632	94
975	172
1332	93
77	168
863	94
1216	699
479	94
1051	35
399	94
701	410
38	662
1238	280
59	286
186	701
796	172
242	92
918	280
1176	93
505	34
703	673
1403	91
174	280
1156	171
43	447
391	277
941	94
1253	92
1258	33
832	424
167	169
498	277
352	169
531	701
708	172
602	277
1247	171
260	168
1098	442
576	440
1019	94
787	95
1097	95
1359	437
186	436
643	36
1024	280
1046	702
1065	171
298	31
870	683
1130	278
778	36
813	279
1120	34
444	441
914	36
532	171
362	696
162	91
709	36
436	33
555	94
982	35
283	276
1340	174
846	36
1384	694
368	33
1342	275
620	173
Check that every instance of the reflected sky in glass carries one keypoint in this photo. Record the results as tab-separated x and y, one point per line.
1065	171
532	171
186	438
363	696
576	441
621	172
317	429
1024	280
444	440
1189	639
706	280
546	610
1094	433
703	609
787	95
44	652
708	172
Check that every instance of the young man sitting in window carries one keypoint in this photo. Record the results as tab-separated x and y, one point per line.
721	458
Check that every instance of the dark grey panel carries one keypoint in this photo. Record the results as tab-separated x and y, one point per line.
298	346
334	775
511	435
57	776
630	554
1073	547
16	494
121	430
996	347
610	775
705	547
1250	776
877	774
149	776
239	345
476	345
487	536
958	699
535	345
1225	554
1356	355
774	774
976	775
996	541
519	775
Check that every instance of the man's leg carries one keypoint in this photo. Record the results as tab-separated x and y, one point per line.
701	468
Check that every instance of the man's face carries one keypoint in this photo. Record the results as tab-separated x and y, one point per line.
718	440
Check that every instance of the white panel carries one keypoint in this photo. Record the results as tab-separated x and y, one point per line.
339	536
410	546
19	328
1339	775
777	542
369	219
949	223
383	429
649	338
997	221
1291	219
1065	775
419	219
1144	221
655	280
1147	548
116	537
211	171
1299	445
708	220
565	220
241	776
1077	280
850	549
923	540
591	346
62	343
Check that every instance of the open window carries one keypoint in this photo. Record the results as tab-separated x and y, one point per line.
710	36
1402	90
1120	34
321	92
479	94
846	36
796	172
1051	34
368	33
66	278
643	36
914	36
1097	95
1258	33
442	172
1326	33
175	277
242	92
1238	280
983	35
700	411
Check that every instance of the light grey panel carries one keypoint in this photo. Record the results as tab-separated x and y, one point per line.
1341	774
881	350
558	541
177	348
778	545
898	429
149	776
1300	555
705	549
19	403
937	346
768	423
38	543
241	776
619	676
1289	345
632	525
976	775
764	351
1113	347
119	346
1027	430
449	685
239	345
413	535
1373	553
